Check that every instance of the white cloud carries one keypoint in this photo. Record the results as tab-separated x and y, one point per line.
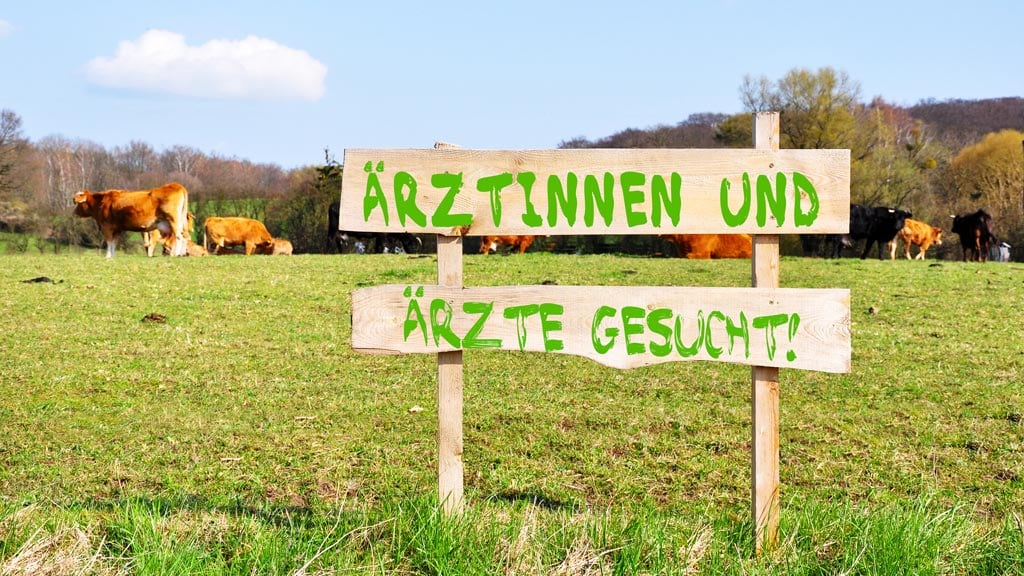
250	69
5	28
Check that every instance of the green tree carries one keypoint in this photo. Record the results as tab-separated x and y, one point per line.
898	157
821	110
736	131
817	109
990	174
301	215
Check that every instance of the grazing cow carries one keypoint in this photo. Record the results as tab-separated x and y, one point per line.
236	231
917	233
151	238
519	244
975	231
827	245
704	246
386	243
875	224
280	246
192	249
116	211
195	249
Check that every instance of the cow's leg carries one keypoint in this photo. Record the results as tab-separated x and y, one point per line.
920	254
892	249
180	246
110	235
180	227
835	246
867	249
412	244
180	240
147	241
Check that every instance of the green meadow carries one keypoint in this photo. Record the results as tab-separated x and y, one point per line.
209	416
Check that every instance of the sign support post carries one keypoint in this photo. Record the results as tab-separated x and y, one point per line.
449	385
449	390
764	405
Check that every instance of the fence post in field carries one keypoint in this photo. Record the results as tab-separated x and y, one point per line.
449	384
764	406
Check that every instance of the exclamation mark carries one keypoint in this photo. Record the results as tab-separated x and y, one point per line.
794	323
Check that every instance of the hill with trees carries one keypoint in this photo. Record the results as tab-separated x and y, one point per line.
960	123
934	158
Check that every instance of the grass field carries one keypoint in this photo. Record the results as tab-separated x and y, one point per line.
240	434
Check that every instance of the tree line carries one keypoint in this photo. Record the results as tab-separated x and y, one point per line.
39	179
933	159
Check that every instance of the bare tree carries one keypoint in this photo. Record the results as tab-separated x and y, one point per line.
134	161
180	159
71	166
12	147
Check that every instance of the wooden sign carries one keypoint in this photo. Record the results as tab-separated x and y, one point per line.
457	192
452	192
622	327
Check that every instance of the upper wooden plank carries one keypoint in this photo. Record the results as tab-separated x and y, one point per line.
596	191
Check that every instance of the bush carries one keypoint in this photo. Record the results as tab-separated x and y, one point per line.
18	243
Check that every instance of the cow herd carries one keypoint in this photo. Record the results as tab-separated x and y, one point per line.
161	215
889	226
879	226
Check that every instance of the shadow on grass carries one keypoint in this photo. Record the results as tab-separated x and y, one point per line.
278	515
535	498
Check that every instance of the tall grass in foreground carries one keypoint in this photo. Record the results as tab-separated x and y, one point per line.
242	435
411	537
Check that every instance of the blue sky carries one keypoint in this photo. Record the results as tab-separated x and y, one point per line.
278	82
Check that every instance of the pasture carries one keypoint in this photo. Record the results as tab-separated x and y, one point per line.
207	415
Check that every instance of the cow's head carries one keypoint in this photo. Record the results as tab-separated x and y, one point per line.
899	218
83	203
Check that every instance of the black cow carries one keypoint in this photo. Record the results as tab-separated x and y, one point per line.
876	224
975	231
827	245
363	242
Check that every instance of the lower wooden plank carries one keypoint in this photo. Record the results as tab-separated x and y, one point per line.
618	326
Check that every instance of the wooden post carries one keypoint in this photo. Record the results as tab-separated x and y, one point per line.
764	407
449	384
449	390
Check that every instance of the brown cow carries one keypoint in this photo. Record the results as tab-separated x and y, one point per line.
236	231
192	249
918	233
280	246
195	249
117	211
151	238
704	246
490	244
